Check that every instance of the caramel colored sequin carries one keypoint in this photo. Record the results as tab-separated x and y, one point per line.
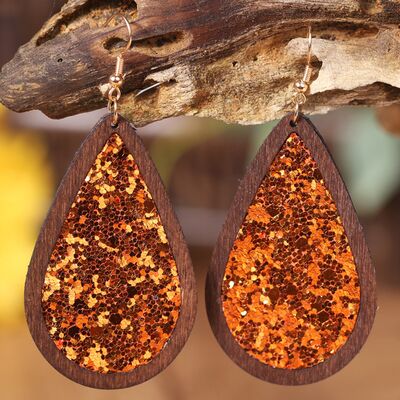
290	292
111	296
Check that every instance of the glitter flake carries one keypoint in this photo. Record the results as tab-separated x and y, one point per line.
111	295
290	292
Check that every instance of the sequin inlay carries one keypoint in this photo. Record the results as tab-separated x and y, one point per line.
290	292
111	295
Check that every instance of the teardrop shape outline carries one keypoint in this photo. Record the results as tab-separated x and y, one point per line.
354	231
50	232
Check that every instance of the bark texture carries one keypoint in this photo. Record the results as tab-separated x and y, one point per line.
233	60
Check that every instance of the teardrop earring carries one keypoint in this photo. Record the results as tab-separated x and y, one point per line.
291	287
110	294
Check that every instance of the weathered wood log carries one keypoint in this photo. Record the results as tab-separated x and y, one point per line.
233	60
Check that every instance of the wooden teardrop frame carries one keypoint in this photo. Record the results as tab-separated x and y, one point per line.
50	232
244	196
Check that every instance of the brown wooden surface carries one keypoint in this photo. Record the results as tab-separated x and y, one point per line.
235	60
248	187
19	20
47	239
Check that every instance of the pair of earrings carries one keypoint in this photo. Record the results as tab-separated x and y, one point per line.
110	295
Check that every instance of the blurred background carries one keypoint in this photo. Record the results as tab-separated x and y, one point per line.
201	162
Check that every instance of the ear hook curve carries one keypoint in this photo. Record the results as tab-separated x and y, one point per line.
128	27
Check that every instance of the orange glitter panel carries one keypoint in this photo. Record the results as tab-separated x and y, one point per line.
290	291
111	295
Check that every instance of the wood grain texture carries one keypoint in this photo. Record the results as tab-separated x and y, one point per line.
50	233
234	60
248	187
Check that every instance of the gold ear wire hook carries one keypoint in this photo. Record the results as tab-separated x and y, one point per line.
116	80
304	84
128	27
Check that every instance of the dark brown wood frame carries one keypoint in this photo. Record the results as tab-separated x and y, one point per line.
353	229
50	233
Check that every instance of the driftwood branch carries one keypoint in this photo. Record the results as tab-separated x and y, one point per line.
234	60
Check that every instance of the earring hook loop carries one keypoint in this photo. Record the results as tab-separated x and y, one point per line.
128	27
